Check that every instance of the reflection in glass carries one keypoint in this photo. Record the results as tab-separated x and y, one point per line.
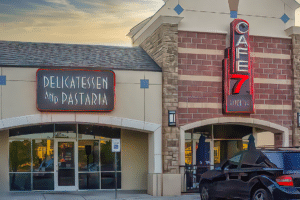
43	160
33	132
19	181
96	132
108	157
65	131
108	180
20	156
43	181
188	152
66	169
88	155
89	181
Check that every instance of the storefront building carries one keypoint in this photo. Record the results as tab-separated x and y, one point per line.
223	70
61	106
230	70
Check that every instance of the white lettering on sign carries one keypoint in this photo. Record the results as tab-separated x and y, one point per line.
241	62
242	40
240	50
56	82
75	90
239	103
83	99
242	65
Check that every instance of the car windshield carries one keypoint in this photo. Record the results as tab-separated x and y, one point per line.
285	160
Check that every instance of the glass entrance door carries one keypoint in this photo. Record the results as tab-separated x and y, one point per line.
65	161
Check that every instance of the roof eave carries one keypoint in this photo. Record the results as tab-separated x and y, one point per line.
292	3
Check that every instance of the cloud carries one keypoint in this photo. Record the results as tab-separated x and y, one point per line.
61	2
77	21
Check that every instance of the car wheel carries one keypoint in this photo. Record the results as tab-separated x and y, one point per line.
261	194
204	194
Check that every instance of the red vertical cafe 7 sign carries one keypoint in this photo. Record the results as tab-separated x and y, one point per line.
238	72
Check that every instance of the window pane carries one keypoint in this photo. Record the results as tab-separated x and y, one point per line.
20	156
43	181
89	181
108	180
188	152
108	157
95	132
88	132
66	164
43	155
20	181
65	130
88	155
41	131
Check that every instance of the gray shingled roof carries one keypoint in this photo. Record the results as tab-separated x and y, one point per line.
28	54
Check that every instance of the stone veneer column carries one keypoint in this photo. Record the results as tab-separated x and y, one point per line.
296	85
162	46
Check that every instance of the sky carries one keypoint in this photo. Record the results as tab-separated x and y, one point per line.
105	22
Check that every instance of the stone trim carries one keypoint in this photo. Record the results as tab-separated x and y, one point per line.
219	106
162	46
296	82
219	79
221	52
142	35
200	51
275	128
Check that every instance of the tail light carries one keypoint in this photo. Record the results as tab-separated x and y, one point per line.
285	180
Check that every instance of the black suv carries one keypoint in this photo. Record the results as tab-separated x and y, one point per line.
255	175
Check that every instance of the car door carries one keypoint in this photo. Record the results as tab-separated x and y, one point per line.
226	184
247	169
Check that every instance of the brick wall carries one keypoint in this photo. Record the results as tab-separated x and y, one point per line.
271	63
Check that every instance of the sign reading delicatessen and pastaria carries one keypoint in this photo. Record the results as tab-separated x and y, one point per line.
75	90
238	71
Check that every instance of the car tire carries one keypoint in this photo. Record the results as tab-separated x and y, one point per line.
204	193
261	194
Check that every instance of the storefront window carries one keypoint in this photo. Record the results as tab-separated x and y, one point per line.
188	152
88	161
32	156
108	157
191	146
42	152
20	181
20	156
65	131
43	164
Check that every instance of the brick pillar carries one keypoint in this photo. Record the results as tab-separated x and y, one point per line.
296	85
162	46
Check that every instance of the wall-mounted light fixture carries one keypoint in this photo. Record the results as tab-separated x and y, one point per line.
172	118
298	119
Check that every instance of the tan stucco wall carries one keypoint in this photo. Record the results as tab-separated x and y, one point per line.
4	183
19	94
134	160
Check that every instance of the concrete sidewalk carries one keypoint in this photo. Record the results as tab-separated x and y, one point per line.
88	195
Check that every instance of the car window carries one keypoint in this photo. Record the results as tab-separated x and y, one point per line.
236	159
233	162
285	160
251	159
